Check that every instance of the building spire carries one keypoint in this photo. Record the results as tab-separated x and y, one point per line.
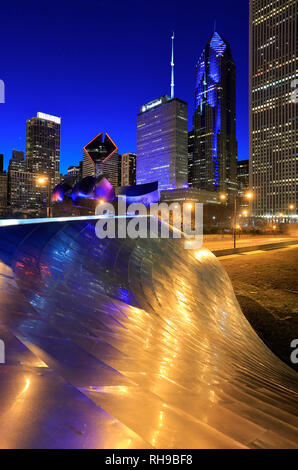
172	67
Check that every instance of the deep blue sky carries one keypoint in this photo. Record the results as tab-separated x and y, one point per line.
95	62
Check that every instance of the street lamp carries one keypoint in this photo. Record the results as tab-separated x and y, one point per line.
292	207
249	196
45	181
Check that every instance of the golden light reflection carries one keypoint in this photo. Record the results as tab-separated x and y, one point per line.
161	418
26	386
110	389
160	423
201	254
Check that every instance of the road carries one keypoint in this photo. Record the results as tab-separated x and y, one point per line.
265	283
216	242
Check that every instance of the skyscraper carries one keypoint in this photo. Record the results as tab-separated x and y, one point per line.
162	142
3	188
215	146
43	146
162	139
128	169
101	157
74	172
191	137
243	175
17	162
23	193
18	156
273	110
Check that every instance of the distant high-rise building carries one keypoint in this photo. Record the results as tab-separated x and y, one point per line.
191	137
75	172
243	175
17	162
162	140
43	146
128	169
23	192
3	189
100	157
18	156
273	108
110	169
214	122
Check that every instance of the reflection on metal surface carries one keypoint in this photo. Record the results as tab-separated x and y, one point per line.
131	344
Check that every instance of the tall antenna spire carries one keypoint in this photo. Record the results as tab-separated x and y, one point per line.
172	67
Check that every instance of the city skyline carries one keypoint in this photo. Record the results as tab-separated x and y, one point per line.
113	112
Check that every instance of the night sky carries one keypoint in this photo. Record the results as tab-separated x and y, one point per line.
94	63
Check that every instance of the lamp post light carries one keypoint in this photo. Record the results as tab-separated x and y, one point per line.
292	207
223	198
45	181
249	197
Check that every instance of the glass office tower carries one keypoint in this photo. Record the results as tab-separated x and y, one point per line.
162	141
273	106
215	147
43	146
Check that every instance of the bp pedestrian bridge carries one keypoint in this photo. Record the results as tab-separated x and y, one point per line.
129	344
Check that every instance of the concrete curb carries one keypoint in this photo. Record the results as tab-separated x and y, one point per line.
244	249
